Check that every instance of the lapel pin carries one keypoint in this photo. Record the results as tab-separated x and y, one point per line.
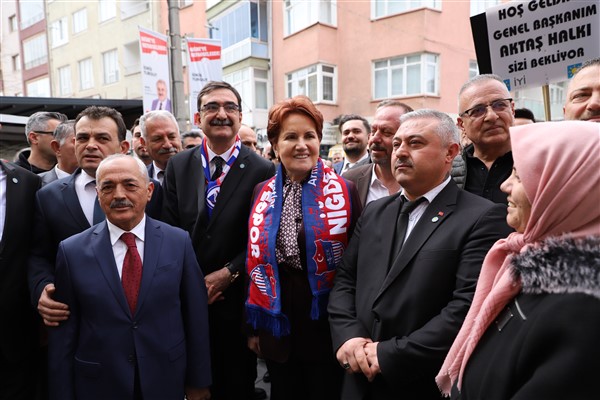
15	180
441	213
242	166
435	219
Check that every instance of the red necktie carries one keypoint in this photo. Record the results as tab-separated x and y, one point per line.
132	271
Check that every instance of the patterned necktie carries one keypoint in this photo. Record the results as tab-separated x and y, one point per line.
218	168
402	223
132	271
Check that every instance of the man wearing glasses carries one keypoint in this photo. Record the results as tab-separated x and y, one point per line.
486	112
207	192
39	132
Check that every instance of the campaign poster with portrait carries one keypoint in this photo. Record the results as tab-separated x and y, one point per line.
204	65
154	52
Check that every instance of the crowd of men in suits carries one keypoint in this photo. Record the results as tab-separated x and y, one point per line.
400	293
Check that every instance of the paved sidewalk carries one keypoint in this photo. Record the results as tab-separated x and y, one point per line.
261	368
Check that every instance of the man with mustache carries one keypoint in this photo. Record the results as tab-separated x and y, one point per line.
408	276
486	113
208	191
355	136
583	95
69	206
160	135
376	180
139	323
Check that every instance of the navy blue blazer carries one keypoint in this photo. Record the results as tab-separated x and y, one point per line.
58	216
95	352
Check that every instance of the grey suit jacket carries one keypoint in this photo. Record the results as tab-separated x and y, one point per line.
48	176
361	177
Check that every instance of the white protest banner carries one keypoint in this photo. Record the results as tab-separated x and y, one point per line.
204	65
154	51
538	42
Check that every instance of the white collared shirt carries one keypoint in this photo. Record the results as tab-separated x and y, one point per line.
347	164
120	248
60	173
157	170
86	194
417	213
377	190
3	178
225	156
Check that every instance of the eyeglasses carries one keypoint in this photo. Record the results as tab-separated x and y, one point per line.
481	109
43	132
213	108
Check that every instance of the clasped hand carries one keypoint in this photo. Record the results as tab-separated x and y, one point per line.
359	355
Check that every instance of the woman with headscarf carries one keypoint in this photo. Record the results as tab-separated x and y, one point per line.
533	328
300	224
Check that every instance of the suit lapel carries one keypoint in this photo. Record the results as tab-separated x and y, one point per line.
434	216
196	171
363	182
72	201
106	262
152	251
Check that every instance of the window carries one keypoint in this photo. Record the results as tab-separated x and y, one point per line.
12	23
383	8
129	8
185	3
131	58
405	76
38	88
30	12
86	74
300	14
35	51
110	63
107	9
249	80
318	82
249	20
473	69
80	20
479	6
16	62
59	31
64	80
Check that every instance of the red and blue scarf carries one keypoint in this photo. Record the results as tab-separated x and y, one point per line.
326	213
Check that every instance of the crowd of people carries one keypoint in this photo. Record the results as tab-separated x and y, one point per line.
432	258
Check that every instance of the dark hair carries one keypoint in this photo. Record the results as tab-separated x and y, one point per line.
96	113
215	85
352	117
524	113
190	134
135	123
295	105
395	103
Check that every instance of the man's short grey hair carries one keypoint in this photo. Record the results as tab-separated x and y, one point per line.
142	169
446	128
39	121
590	63
64	131
478	79
156	114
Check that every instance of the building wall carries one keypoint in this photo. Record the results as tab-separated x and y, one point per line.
39	70
119	32
12	79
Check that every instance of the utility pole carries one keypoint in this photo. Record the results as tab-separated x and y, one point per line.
177	94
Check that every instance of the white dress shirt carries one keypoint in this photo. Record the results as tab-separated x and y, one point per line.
120	248
377	190
417	213
86	193
225	156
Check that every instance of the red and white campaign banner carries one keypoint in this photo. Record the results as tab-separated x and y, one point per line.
154	54
204	65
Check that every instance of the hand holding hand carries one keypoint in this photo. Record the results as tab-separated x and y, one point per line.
351	355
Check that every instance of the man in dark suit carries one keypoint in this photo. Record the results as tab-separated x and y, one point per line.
160	136
63	146
355	136
403	289
375	180
18	336
139	322
68	206
210	198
